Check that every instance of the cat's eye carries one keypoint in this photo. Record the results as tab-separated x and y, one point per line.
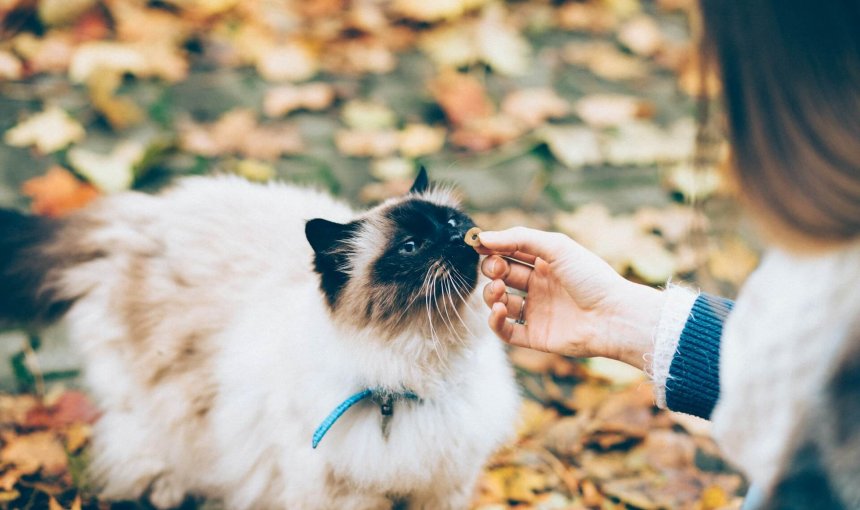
408	247
453	222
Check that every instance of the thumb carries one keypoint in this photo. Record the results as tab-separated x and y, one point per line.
546	245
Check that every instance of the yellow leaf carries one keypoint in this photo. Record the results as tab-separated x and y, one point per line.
53	505
49	131
368	115
641	35
55	12
420	140
77	436
293	61
603	110
732	262
392	169
574	146
111	172
254	170
501	46
534	106
39	450
10	66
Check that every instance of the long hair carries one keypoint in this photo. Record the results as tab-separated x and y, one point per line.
790	71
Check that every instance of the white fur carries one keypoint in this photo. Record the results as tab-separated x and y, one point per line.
276	364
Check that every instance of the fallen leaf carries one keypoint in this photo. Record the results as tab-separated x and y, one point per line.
237	132
605	60
500	45
586	16
391	169
284	99
32	452
10	66
614	371
293	61
641	35
534	106
112	172
732	262
574	146
368	115
254	170
652	261
58	193
77	435
49	131
417	140
462	97
365	143
55	12
72	407
603	110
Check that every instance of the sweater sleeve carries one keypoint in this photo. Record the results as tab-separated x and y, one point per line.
693	382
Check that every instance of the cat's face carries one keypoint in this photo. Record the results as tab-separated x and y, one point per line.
403	262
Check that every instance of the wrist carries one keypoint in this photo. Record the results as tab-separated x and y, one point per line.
631	324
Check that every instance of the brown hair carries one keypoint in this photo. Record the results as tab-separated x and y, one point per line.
790	73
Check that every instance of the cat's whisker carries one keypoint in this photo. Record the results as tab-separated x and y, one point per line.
465	284
463	322
446	291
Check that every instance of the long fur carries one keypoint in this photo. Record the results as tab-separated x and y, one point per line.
213	353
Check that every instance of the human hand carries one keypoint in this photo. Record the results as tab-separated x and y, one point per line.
575	304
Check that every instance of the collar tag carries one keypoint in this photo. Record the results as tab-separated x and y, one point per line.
385	399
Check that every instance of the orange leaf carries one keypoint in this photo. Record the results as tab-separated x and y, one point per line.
462	97
58	193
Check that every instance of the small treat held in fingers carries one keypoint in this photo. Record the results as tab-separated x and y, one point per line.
472	238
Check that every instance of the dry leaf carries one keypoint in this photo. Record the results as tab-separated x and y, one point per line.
376	144
501	46
586	16
732	262
420	140
71	407
573	146
294	61
58	193
641	35
10	66
462	97
77	435
367	115
32	452
534	106
253	170
392	169
605	60
112	172
55	12
284	99
49	131
237	132
603	110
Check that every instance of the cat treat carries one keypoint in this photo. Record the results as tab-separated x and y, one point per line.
472	238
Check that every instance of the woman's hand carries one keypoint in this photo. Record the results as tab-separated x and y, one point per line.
575	304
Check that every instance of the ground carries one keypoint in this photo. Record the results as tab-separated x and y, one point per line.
579	116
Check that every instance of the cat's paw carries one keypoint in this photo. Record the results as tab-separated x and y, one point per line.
166	493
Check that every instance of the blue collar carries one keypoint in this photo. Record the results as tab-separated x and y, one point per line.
386	405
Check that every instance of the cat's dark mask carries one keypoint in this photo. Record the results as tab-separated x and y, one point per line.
403	257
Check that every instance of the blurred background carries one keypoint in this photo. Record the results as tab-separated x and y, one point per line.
578	116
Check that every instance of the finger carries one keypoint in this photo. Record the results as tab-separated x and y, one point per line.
514	334
494	292
546	245
514	274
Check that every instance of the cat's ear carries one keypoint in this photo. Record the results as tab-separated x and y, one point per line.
324	235
422	182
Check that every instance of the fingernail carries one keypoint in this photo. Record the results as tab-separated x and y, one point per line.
492	268
487	236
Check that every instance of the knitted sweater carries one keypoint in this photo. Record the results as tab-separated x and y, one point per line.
759	370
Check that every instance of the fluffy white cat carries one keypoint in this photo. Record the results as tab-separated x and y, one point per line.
220	328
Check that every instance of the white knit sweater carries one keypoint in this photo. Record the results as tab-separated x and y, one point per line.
778	346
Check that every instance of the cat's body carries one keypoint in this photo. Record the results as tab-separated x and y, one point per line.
215	352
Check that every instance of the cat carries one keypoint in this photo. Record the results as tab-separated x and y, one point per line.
222	330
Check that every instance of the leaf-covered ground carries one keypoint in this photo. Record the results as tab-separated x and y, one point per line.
571	115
